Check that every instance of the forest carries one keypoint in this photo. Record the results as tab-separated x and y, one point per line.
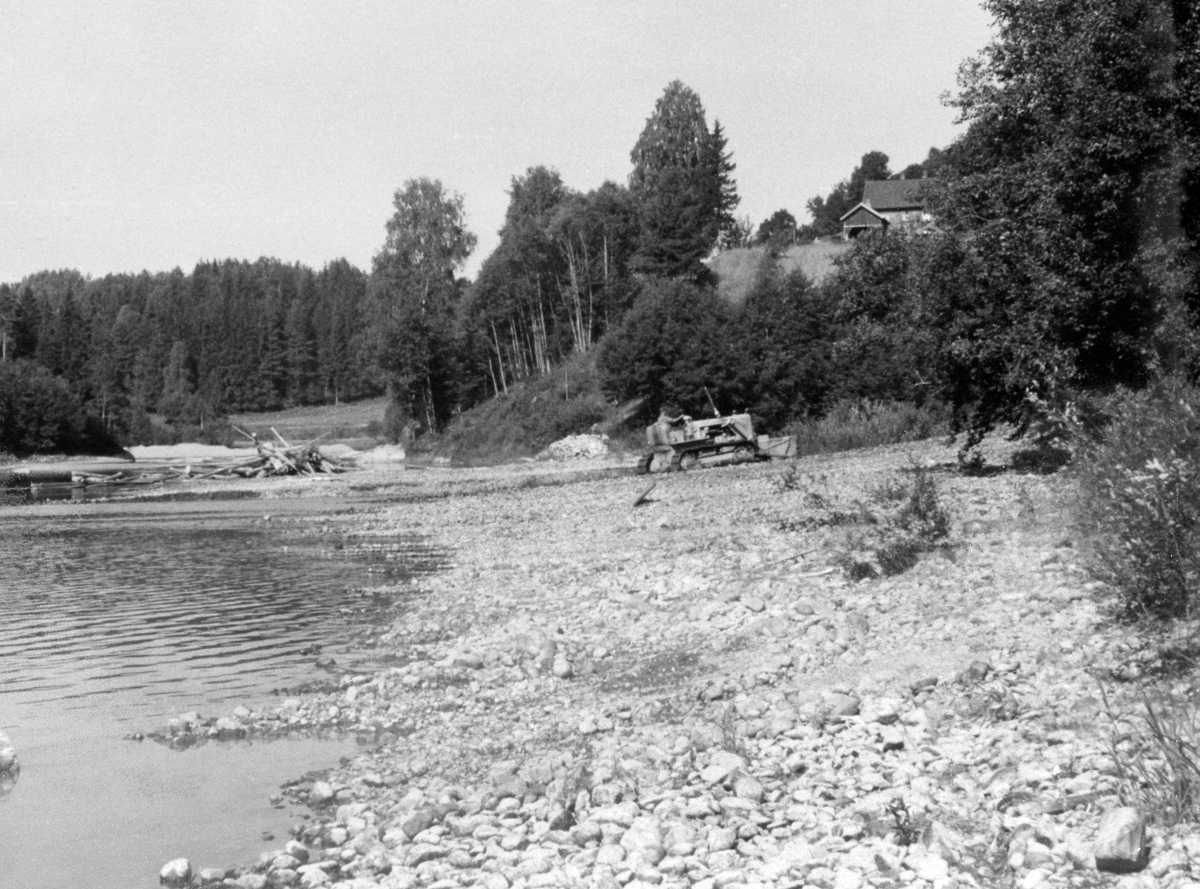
1063	261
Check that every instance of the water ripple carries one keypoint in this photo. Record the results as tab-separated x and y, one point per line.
137	607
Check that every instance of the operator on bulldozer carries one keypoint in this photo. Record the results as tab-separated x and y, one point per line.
669	417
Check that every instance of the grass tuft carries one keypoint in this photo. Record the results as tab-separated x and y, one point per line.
1156	752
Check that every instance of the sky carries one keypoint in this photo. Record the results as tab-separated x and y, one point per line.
149	134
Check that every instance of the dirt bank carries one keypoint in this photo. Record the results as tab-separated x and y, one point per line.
690	692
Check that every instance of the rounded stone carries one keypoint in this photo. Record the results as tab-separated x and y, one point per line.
176	873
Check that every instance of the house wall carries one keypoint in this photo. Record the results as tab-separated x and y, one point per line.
862	217
911	218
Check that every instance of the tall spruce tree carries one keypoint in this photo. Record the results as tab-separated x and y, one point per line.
682	182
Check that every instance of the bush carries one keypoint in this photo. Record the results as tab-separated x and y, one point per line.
671	344
1139	495
38	411
921	513
919	524
865	423
887	535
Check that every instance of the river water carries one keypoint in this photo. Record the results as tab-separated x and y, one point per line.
116	616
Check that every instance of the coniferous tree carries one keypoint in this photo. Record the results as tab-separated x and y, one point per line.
682	183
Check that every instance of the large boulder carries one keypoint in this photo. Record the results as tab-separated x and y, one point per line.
1120	846
176	873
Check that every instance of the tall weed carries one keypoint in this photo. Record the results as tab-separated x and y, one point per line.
1139	496
1156	753
865	423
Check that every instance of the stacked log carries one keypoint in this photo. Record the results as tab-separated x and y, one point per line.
270	459
282	458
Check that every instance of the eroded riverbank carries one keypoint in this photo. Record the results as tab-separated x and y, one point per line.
688	693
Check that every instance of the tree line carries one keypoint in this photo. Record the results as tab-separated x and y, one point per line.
1064	259
131	358
230	336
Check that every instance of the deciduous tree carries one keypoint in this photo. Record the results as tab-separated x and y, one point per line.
415	291
1075	117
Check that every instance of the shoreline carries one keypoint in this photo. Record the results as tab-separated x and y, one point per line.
683	692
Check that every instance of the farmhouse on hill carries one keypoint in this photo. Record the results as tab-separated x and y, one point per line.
887	203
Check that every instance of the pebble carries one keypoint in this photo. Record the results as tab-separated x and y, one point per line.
683	703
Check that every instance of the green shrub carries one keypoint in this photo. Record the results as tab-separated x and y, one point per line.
1139	495
921	513
905	518
864	423
673	342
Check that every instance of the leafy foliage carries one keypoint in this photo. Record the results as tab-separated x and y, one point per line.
1140	498
415	295
885	313
39	412
1068	171
847	425
229	336
532	415
670	345
558	279
777	231
779	348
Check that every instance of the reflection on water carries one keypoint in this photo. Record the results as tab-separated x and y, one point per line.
119	616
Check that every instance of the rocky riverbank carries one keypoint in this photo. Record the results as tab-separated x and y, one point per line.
690	692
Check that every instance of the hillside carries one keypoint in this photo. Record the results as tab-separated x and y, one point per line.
358	423
531	415
735	269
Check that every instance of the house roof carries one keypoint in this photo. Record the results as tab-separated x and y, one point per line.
863	206
894	194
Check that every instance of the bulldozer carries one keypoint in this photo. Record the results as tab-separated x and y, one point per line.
684	443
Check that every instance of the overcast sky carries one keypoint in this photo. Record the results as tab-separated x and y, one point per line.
151	134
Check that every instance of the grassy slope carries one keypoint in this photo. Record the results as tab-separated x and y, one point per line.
342	422
735	269
534	413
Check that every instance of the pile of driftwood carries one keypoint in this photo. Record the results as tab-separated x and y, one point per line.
270	459
283	459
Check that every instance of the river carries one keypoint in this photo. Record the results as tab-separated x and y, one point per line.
120	615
